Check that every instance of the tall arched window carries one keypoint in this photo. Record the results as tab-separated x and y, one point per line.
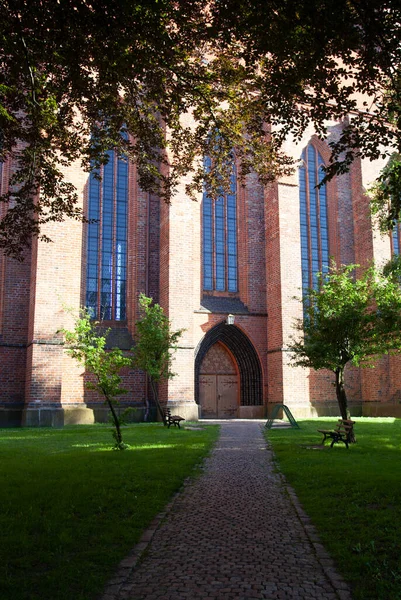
107	240
314	222
219	239
396	238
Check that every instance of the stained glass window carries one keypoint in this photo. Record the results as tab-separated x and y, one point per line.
106	272
314	220
219	239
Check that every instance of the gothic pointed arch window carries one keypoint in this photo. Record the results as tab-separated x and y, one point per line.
106	269
314	217
219	238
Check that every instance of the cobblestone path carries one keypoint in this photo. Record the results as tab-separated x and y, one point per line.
236	533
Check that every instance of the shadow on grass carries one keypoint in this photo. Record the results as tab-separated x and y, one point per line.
72	508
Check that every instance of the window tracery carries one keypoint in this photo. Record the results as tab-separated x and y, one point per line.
106	271
219	239
314	217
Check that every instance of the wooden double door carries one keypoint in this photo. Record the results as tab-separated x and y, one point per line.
218	385
218	396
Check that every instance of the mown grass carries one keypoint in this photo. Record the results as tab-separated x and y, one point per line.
71	508
353	497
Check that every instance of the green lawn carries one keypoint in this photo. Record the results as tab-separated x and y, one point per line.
71	508
353	497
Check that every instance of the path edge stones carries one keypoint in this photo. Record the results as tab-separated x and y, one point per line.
115	586
114	589
340	586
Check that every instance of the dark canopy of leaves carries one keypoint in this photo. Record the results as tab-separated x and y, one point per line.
76	73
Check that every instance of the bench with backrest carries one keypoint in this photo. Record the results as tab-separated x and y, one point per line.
343	432
172	419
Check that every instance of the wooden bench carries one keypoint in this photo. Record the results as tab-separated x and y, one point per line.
172	419
342	433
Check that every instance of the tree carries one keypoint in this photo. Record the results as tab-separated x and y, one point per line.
323	60
77	75
348	319
154	345
392	268
87	344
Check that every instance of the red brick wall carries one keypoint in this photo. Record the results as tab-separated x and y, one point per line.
14	329
273	295
14	308
164	261
381	385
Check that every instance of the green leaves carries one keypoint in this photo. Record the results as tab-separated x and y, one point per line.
349	319
155	341
75	73
87	345
385	193
152	354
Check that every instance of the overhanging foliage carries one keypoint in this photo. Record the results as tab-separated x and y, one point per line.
77	73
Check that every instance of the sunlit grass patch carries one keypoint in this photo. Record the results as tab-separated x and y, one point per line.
71	508
353	497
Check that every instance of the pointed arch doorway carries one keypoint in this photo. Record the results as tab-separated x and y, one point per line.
218	384
233	358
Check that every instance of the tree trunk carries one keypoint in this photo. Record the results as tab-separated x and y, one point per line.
156	399
118	434
342	398
341	395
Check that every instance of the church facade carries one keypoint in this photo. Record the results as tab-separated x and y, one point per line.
230	273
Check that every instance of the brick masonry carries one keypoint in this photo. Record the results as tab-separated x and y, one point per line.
164	261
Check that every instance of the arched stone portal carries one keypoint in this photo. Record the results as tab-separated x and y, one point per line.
239	389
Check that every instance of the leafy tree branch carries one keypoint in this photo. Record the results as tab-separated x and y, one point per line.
87	344
155	343
77	75
348	320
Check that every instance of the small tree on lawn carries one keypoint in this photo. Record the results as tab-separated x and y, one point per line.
348	320
154	345
87	345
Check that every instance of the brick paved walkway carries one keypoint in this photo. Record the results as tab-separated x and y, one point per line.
237	533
